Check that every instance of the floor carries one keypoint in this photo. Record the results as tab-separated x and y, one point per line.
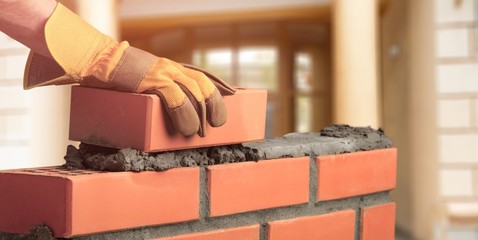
402	235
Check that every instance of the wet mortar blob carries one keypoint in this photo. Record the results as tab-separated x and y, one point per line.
334	139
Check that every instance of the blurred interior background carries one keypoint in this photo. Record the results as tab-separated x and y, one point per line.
409	67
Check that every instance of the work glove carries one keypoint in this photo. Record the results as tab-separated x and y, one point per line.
81	54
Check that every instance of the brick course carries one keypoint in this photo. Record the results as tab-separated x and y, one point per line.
278	193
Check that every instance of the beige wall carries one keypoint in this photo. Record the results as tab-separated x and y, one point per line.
134	8
431	99
457	95
394	62
422	115
457	114
410	110
34	124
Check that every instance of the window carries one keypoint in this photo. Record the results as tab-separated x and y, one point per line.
218	61
303	72
258	68
303	79
290	60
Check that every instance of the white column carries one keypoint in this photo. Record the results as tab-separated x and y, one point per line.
103	15
355	83
50	106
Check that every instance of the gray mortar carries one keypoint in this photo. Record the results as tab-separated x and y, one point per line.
203	195
313	180
335	139
263	232
40	232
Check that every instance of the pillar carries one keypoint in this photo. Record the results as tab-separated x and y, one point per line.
51	105
103	15
355	84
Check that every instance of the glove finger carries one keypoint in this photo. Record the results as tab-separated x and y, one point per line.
216	112
167	78
184	116
224	88
191	89
171	71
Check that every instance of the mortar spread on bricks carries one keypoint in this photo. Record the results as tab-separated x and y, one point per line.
334	139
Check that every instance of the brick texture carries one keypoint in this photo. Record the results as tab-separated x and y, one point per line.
378	222
27	200
240	233
84	202
249	186
353	174
269	199
336	226
121	120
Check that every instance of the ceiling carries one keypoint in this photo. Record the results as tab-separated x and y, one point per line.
130	9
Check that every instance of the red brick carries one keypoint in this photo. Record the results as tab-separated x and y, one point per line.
249	186
85	202
378	222
240	233
120	120
354	174
332	226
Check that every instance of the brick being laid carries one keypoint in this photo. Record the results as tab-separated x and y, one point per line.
82	202
129	120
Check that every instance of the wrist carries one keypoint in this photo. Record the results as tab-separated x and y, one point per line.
105	62
24	21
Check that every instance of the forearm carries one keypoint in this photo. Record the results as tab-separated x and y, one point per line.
24	21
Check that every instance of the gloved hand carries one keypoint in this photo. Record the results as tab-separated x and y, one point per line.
81	54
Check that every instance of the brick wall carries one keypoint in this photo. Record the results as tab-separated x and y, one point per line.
306	186
319	196
457	101
457	89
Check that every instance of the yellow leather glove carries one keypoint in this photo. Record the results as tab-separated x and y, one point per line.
81	54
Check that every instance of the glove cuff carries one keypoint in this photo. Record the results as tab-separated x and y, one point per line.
125	68
74	45
42	71
72	42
